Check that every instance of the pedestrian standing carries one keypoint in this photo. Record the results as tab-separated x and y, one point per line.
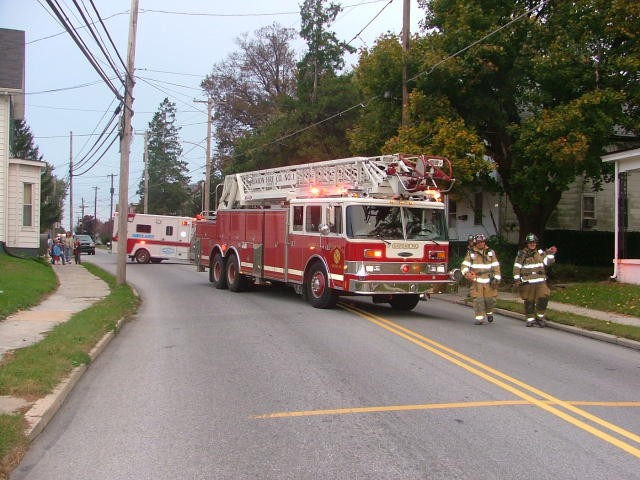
529	275
68	247
56	252
76	250
482	268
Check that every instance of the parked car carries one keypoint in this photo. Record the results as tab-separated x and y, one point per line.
87	245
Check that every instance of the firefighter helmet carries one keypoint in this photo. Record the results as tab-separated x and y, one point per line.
531	238
479	238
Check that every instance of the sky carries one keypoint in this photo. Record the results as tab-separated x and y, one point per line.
176	46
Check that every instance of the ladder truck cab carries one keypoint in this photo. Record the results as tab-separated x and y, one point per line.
373	226
154	238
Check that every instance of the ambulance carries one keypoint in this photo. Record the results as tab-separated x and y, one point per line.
154	238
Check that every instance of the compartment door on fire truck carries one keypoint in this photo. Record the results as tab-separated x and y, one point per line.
275	244
333	244
304	238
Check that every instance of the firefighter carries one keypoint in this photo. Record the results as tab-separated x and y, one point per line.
481	267
529	275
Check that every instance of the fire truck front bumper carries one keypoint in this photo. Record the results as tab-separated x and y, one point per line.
372	287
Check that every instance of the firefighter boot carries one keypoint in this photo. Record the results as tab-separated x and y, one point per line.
529	309
490	303
541	308
478	308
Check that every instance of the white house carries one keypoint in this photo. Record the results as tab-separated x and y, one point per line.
19	178
626	211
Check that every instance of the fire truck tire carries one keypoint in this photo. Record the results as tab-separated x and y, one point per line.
218	272
319	293
235	281
404	302
142	256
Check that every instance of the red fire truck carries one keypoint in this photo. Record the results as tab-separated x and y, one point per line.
371	226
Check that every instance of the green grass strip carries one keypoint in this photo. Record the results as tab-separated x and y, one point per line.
23	283
13	442
619	330
35	371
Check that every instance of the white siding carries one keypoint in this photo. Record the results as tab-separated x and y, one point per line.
20	236
568	213
463	225
4	159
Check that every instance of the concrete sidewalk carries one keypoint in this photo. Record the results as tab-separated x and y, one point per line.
78	289
462	297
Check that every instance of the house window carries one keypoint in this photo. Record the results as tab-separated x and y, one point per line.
27	204
453	212
588	211
477	209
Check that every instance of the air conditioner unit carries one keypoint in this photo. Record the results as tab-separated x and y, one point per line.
589	222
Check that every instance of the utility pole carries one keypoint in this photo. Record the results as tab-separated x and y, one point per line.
81	219
71	181
406	20
207	174
111	213
95	211
125	146
146	171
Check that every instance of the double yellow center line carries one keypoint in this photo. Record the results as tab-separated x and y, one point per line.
518	388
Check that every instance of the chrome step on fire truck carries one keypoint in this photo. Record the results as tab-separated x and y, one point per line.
371	226
154	238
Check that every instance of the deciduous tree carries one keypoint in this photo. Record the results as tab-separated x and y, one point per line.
248	87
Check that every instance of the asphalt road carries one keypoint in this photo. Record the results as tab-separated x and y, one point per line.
208	384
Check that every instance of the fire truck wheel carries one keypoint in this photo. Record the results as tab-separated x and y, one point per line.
319	293
235	281
217	272
142	256
404	302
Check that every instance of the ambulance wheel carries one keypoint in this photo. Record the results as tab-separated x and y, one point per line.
217	272
319	293
142	256
235	281
404	302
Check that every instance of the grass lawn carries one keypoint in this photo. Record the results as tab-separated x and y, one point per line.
23	283
606	296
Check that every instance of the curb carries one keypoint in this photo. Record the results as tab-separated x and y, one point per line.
44	409
603	337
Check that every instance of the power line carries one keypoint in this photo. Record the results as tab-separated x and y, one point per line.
83	48
370	22
480	40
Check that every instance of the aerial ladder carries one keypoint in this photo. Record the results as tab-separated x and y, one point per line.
402	176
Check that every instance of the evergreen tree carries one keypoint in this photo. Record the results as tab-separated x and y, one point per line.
52	190
325	55
168	181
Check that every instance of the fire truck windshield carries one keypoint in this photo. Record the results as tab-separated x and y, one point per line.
395	223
